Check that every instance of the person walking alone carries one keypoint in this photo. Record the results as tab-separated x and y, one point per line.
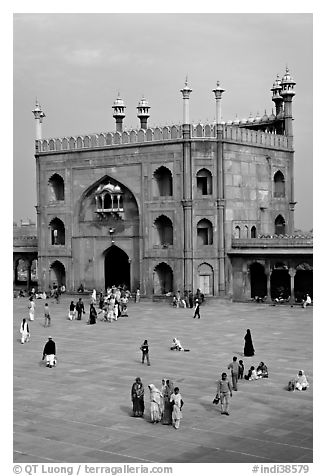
197	309
24	330
80	309
47	317
248	350
49	352
234	367
145	352
224	390
31	307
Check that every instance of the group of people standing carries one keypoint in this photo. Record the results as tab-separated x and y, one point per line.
165	404
187	299
111	306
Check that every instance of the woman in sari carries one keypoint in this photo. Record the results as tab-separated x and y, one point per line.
137	397
249	350
155	397
167	391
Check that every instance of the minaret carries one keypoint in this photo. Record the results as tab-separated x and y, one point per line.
143	112
118	113
277	98
187	192
38	115
218	91
220	200
287	94
186	94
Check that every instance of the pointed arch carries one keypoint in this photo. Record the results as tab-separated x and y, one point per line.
57	273
162	183
163	231
280	225
253	232
56	188
162	279
57	232
279	185
204	232
204	182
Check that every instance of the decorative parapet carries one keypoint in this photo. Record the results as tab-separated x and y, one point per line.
274	241
264	139
25	241
166	133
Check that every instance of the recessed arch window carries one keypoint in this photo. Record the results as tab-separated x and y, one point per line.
162	279
204	182
57	232
204	232
253	232
163	231
279	185
279	225
237	232
56	188
162	182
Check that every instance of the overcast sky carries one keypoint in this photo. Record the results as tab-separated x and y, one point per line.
75	64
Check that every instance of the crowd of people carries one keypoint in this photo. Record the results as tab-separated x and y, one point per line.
165	403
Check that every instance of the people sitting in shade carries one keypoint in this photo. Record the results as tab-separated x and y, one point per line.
301	382
81	288
307	301
262	371
252	374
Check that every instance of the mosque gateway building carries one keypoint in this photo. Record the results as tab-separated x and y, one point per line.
162	209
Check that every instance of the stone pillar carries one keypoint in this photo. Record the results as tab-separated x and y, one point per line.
28	283
246	281
268	275
220	202
187	193
292	273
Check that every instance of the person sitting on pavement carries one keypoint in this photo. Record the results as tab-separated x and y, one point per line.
262	371
301	382
252	374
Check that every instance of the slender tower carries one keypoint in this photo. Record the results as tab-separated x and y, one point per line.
187	192
277	98
220	201
119	113
143	112
287	93
38	115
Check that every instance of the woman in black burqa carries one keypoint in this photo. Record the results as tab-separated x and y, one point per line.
249	350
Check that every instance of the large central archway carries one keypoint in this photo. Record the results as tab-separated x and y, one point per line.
116	267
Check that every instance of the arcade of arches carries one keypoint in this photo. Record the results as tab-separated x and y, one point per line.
280	280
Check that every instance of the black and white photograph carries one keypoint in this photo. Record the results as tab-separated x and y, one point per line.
162	242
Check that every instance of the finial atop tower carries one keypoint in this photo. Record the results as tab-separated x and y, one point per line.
143	112
119	112
38	115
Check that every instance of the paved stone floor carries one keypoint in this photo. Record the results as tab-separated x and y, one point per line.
80	411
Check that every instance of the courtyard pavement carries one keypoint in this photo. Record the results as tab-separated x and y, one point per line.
80	411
